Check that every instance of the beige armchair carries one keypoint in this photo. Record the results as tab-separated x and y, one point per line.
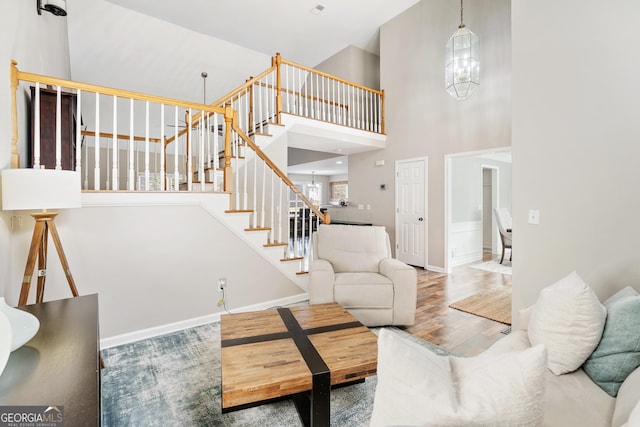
352	265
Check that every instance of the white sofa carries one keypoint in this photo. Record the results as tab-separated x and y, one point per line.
352	265
536	375
573	399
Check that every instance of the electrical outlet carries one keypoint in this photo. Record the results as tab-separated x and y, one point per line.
222	283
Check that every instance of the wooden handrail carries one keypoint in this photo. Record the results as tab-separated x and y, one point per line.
322	73
324	217
104	90
223	100
119	136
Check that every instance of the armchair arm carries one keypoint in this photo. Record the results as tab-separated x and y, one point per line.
405	288
321	279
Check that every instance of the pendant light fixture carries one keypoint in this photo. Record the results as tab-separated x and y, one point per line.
462	59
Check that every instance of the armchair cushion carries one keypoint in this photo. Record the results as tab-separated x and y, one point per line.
349	249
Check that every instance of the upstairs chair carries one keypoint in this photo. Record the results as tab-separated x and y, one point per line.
352	266
503	218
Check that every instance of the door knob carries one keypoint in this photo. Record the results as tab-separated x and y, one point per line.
420	219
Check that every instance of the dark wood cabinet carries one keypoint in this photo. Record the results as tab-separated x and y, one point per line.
48	99
61	364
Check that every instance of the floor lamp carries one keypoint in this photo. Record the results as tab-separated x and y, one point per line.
41	189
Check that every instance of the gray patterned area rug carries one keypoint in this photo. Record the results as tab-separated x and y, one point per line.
174	380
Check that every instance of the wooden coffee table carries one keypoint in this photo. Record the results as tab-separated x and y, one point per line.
299	352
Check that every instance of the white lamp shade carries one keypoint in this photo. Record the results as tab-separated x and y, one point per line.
31	189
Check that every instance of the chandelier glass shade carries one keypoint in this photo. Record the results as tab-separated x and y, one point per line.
462	59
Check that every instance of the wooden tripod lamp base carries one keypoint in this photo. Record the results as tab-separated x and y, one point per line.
38	252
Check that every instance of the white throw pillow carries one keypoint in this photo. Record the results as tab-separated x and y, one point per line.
417	387
569	319
634	417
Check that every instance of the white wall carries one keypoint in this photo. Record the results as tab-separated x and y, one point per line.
576	144
153	265
354	64
421	118
39	44
117	47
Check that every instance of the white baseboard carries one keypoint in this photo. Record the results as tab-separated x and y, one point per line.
196	321
435	269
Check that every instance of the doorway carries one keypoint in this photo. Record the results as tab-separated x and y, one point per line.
490	191
411	211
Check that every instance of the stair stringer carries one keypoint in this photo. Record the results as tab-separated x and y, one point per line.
238	222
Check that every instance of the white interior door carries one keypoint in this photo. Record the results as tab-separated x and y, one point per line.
411	218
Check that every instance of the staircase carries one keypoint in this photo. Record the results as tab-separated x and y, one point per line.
221	149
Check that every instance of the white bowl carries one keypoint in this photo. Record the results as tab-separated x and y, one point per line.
23	325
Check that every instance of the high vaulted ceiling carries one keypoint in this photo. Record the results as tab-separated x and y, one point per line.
285	26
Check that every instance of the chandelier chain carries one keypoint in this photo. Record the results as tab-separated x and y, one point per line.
461	14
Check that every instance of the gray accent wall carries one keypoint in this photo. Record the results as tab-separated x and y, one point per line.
576	144
422	119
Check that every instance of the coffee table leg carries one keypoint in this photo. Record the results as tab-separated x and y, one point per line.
314	407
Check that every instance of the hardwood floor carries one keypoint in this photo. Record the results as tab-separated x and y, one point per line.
462	333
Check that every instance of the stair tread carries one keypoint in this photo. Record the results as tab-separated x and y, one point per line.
268	245
298	258
238	211
299	273
257	229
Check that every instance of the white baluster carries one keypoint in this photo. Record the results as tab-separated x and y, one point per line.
114	159
147	173
306	98
280	210
318	98
333	101
236	151
85	184
201	152
324	101
176	141
216	152
163	185
254	217
79	132
286	85
131	176
36	130
272	200
96	165
245	194
259	109
311	95
253	102
58	129
190	151
264	179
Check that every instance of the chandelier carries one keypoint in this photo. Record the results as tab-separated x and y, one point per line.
462	59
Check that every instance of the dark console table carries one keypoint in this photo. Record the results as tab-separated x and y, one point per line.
60	366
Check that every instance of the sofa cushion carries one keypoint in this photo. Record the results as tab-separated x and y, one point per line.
417	387
369	290
352	248
568	318
618	353
628	397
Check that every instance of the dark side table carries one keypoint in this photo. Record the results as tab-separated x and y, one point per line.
60	365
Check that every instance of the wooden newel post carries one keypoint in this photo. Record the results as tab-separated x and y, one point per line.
278	62
228	175
15	157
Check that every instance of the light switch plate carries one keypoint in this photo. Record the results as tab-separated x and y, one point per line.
534	216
